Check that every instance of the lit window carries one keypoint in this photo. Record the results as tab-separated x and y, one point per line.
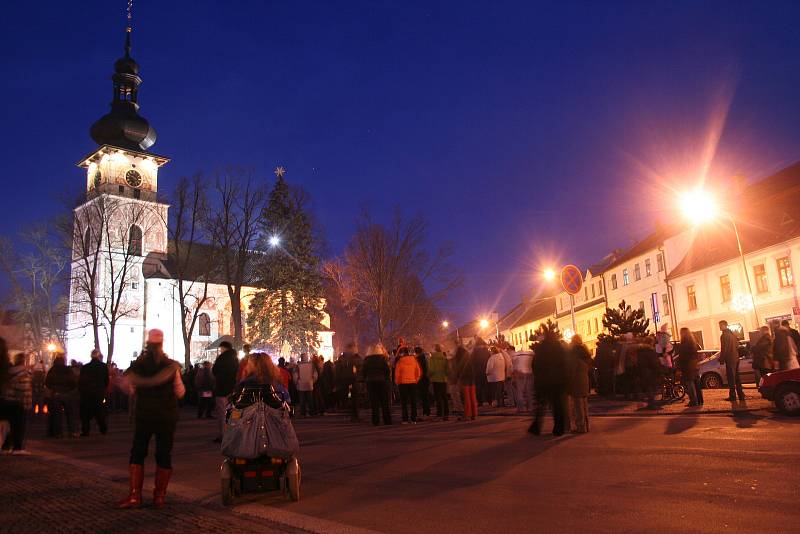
625	277
613	281
637	272
135	241
593	293
785	272
691	297
665	302
660	262
647	267
204	325
725	287
760	274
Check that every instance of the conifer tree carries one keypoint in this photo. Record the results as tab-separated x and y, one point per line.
288	309
622	320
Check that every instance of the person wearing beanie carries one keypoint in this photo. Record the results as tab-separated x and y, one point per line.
158	385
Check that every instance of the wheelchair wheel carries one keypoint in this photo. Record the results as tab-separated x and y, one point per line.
293	479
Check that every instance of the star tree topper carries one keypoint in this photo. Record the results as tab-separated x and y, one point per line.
280	171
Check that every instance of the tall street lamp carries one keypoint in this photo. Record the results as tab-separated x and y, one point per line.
700	207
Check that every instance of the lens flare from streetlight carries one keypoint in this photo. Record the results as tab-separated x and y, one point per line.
274	241
568	333
445	324
484	324
51	347
698	206
549	275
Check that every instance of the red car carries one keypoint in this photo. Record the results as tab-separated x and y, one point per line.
783	387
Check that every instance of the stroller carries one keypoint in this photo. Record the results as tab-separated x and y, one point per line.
259	445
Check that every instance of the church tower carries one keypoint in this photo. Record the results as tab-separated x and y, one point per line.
118	225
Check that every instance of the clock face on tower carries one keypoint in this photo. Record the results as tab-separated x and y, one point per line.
133	178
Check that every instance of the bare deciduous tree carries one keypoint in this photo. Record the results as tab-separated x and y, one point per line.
234	233
191	259
387	274
37	275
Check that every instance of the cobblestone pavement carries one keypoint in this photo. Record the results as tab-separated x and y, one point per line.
45	496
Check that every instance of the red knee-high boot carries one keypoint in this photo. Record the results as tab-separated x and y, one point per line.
134	499
160	490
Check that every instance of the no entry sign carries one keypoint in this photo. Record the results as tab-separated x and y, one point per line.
571	279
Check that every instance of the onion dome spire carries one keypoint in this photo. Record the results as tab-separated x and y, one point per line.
123	127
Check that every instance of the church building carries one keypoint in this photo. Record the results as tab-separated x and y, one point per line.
121	283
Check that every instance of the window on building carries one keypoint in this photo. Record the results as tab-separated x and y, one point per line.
593	294
600	287
585	292
725	287
691	297
760	274
648	270
641	307
204	324
625	277
596	328
122	190
637	272
785	272
589	326
87	242
137	193
665	304
135	241
613	281
698	336
660	262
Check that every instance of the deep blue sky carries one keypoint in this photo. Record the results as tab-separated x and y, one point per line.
525	132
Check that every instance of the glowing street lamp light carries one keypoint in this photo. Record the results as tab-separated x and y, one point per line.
700	207
51	347
445	324
549	275
484	324
274	241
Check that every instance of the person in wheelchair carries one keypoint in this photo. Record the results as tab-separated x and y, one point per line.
261	382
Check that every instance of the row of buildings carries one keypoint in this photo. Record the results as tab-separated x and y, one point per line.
693	276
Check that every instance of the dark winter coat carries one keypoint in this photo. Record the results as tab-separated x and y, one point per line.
580	362
762	353
465	370
156	402
204	380
376	369
648	366
423	365
688	358
60	379
549	365
225	368
93	381
480	357
729	348
347	368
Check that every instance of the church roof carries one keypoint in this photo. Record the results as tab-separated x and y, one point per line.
200	262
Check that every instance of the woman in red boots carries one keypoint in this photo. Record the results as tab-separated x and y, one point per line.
158	385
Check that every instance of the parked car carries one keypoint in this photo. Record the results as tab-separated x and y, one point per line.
782	387
712	371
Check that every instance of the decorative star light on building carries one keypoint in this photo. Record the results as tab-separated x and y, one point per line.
742	303
280	171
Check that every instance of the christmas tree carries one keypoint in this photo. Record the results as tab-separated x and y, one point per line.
288	310
622	320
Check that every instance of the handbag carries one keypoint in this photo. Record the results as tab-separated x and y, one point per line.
245	434
281	437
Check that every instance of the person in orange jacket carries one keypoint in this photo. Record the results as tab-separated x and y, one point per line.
406	375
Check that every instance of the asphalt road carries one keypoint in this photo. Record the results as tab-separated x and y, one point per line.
687	473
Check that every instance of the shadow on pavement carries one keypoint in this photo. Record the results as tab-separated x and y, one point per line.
746	419
681	423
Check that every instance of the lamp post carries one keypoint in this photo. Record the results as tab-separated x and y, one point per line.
446	325
550	275
700	207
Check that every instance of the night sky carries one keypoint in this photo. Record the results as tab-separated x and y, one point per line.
525	133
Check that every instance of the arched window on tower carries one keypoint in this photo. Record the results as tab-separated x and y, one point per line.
135	241
204	324
87	242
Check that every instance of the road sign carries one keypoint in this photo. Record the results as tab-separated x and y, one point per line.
571	279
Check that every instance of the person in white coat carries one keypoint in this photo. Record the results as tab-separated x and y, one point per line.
305	375
496	376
